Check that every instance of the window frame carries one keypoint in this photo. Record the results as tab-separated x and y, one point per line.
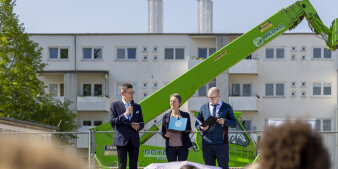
207	52
174	53
322	87
92	89
92	54
241	90
58	57
126	53
274	89
274	53
59	92
322	53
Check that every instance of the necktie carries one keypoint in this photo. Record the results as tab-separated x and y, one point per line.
214	110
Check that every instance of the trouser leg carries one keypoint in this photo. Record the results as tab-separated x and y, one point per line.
122	156
209	155
182	154
222	155
171	154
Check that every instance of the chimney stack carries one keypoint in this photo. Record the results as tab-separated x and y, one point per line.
155	16
205	16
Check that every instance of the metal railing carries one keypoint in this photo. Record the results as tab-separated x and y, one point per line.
157	155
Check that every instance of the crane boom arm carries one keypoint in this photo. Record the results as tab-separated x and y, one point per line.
223	59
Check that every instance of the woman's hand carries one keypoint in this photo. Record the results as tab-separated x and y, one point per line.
167	134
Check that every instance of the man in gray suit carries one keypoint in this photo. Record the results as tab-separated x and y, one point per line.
127	120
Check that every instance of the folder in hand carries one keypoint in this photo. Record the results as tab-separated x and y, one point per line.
178	124
209	122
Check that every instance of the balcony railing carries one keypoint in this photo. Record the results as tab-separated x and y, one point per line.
246	66
243	103
92	103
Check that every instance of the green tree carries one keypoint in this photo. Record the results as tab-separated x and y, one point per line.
22	93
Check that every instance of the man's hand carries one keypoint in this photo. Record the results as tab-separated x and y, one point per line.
204	128
167	134
135	126
129	110
220	121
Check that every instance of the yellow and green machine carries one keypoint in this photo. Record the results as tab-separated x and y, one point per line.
242	147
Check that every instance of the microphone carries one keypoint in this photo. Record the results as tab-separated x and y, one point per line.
217	114
131	104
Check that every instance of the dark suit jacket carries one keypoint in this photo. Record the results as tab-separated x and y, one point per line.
186	142
122	126
217	133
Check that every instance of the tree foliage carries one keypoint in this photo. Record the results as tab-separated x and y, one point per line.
22	93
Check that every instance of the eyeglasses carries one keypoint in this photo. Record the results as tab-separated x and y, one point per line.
130	92
213	98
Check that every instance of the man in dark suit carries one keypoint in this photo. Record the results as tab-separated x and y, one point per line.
126	118
215	138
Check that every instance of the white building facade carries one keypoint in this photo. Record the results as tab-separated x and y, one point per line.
293	76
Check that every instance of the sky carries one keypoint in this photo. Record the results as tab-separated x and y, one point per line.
131	16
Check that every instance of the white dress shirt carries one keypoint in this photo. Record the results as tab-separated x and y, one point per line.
211	107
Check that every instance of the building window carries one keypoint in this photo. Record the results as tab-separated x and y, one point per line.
246	89
56	90
174	53
87	123
204	89
126	53
236	90
97	123
274	89
203	53
321	53
92	90
321	89
323	124
249	57
274	53
326	125
53	89
62	90
97	89
58	53
87	90
92	53
241	90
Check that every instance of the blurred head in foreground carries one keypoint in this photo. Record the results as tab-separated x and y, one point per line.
292	145
20	153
